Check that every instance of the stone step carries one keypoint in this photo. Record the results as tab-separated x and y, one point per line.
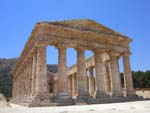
111	100
52	101
79	101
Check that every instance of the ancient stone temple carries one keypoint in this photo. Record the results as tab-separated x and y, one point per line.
30	82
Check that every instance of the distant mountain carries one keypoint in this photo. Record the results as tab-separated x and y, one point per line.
6	68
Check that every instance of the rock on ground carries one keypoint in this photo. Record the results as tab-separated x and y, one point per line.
3	102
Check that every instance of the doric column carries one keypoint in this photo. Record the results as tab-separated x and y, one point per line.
55	87
91	81
74	85
81	71
128	82
99	68
34	59
63	97
62	70
21	83
107	81
115	76
26	83
27	79
30	76
70	84
41	87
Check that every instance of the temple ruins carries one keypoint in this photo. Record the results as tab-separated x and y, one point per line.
71	86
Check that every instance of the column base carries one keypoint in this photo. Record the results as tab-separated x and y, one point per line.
83	95
100	94
82	98
117	94
130	93
63	99
41	99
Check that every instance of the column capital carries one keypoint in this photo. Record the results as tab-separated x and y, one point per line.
61	46
114	54
91	67
34	50
79	49
127	54
100	51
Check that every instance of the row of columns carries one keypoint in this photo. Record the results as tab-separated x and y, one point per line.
31	80
72	85
107	77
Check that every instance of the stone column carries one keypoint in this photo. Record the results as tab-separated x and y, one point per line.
99	68
21	83
63	97
70	84
41	87
62	71
30	76
26	83
91	81
74	86
115	76
81	71
34	59
107	81
27	79
55	88
128	82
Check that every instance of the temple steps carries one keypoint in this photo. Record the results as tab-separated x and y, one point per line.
30	102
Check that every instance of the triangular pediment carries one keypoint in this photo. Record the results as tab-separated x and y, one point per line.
85	25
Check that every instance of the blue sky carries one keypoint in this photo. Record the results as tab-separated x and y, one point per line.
130	17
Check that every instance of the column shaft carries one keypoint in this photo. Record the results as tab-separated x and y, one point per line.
55	88
74	85
70	84
81	71
63	97
128	82
115	77
30	76
28	79
41	72
91	81
99	68
34	59
62	71
107	78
